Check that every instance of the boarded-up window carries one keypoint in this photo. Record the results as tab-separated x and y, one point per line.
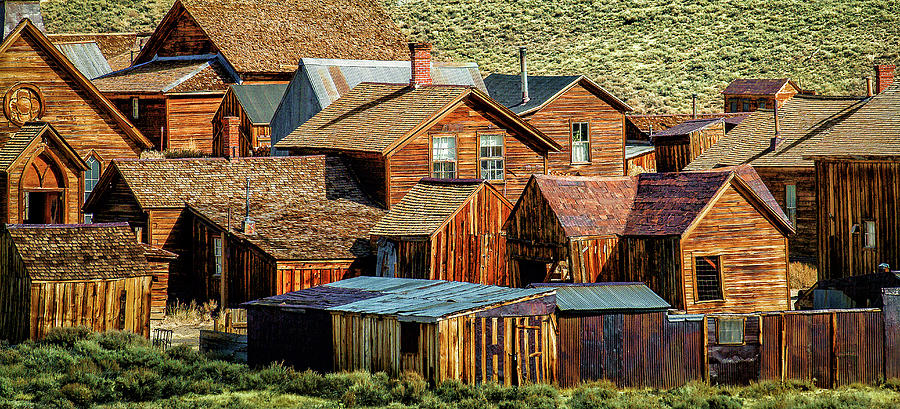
761	104
581	142
217	255
491	153
870	233
709	285
790	203
409	337
443	157
730	330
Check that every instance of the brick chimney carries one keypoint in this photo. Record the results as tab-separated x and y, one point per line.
12	12
231	137
884	77
420	62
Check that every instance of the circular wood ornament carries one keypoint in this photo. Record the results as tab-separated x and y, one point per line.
22	103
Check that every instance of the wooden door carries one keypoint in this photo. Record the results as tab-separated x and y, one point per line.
529	357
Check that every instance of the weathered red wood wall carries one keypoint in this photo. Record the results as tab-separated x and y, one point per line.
151	120
254	136
802	244
190	122
43	167
641	163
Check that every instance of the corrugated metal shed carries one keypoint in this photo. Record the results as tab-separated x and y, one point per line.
259	100
410	299
87	57
596	297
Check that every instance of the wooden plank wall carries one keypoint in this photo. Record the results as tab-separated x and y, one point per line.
183	36
607	133
15	291
299	275
594	259
159	288
533	233
656	262
850	193
190	122
802	244
118	204
641	164
151	120
272	334
753	256
255	136
40	167
672	157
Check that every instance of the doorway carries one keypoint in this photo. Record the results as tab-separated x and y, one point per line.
532	272
43	207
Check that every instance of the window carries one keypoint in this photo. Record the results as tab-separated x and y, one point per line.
761	104
409	338
217	254
730	330
581	142
733	104
139	233
443	157
91	176
869	234
790	203
707	271
491	152
134	108
745	105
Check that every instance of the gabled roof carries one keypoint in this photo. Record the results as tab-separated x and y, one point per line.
805	121
87	57
605	297
270	36
118	48
648	204
689	126
27	28
382	117
428	205
542	89
259	100
410	300
305	208
758	86
332	78
871	130
11	148
659	122
78	251
201	73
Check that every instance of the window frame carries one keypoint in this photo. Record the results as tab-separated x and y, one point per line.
762	103
92	157
135	108
748	103
218	253
719	272
734	104
791	211
455	160
867	233
743	321
501	158
572	142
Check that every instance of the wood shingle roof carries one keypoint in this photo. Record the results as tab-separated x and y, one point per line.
758	86
871	130
14	144
78	251
204	73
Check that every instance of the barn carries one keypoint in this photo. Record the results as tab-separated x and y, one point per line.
445	229
440	329
704	241
93	275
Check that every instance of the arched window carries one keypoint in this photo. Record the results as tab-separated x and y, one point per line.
91	176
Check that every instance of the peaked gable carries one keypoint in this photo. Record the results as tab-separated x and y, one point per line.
56	85
13	147
542	90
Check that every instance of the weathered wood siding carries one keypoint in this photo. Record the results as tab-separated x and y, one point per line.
673	154
803	244
190	122
253	136
159	287
642	163
117	205
78	118
298	275
183	36
533	233
753	255
406	166
15	291
606	128
656	262
851	193
151	120
271	336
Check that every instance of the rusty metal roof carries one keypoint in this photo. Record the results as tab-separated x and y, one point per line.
605	297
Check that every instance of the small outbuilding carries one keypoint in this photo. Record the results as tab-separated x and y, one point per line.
445	229
93	275
241	125
677	146
440	329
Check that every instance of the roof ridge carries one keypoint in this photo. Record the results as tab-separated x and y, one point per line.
67	226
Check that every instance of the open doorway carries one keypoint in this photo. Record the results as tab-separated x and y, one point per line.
532	271
44	207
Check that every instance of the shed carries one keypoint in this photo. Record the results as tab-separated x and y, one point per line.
677	146
445	230
704	241
440	329
250	107
92	275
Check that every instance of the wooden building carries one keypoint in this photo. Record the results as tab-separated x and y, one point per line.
640	157
309	219
445	230
92	275
640	127
320	81
677	146
396	134
159	262
751	94
704	241
243	117
175	84
585	120
119	49
441	330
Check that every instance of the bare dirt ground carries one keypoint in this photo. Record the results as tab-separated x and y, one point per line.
185	321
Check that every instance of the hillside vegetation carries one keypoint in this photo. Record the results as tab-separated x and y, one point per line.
652	53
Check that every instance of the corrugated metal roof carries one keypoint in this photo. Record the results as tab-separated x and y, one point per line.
606	297
332	78
259	100
409	299
86	57
634	149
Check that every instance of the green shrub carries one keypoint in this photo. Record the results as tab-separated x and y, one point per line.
78	394
9	356
139	385
497	393
594	395
185	354
724	402
40	384
432	402
891	384
7	391
454	390
119	340
49	358
221	372
410	389
307	383
66	337
276	374
335	385
474	403
372	391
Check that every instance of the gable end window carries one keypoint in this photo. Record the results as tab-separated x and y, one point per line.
730	331
790	202
761	104
869	226
91	177
491	154
443	156
708	271
581	142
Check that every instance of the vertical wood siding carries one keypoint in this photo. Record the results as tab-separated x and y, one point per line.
23	176
673	154
802	244
151	120
159	288
190	122
252	136
299	275
642	163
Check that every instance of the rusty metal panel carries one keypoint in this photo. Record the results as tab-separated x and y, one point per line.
770	360
821	349
891	297
734	364
859	347
797	346
569	351
613	340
